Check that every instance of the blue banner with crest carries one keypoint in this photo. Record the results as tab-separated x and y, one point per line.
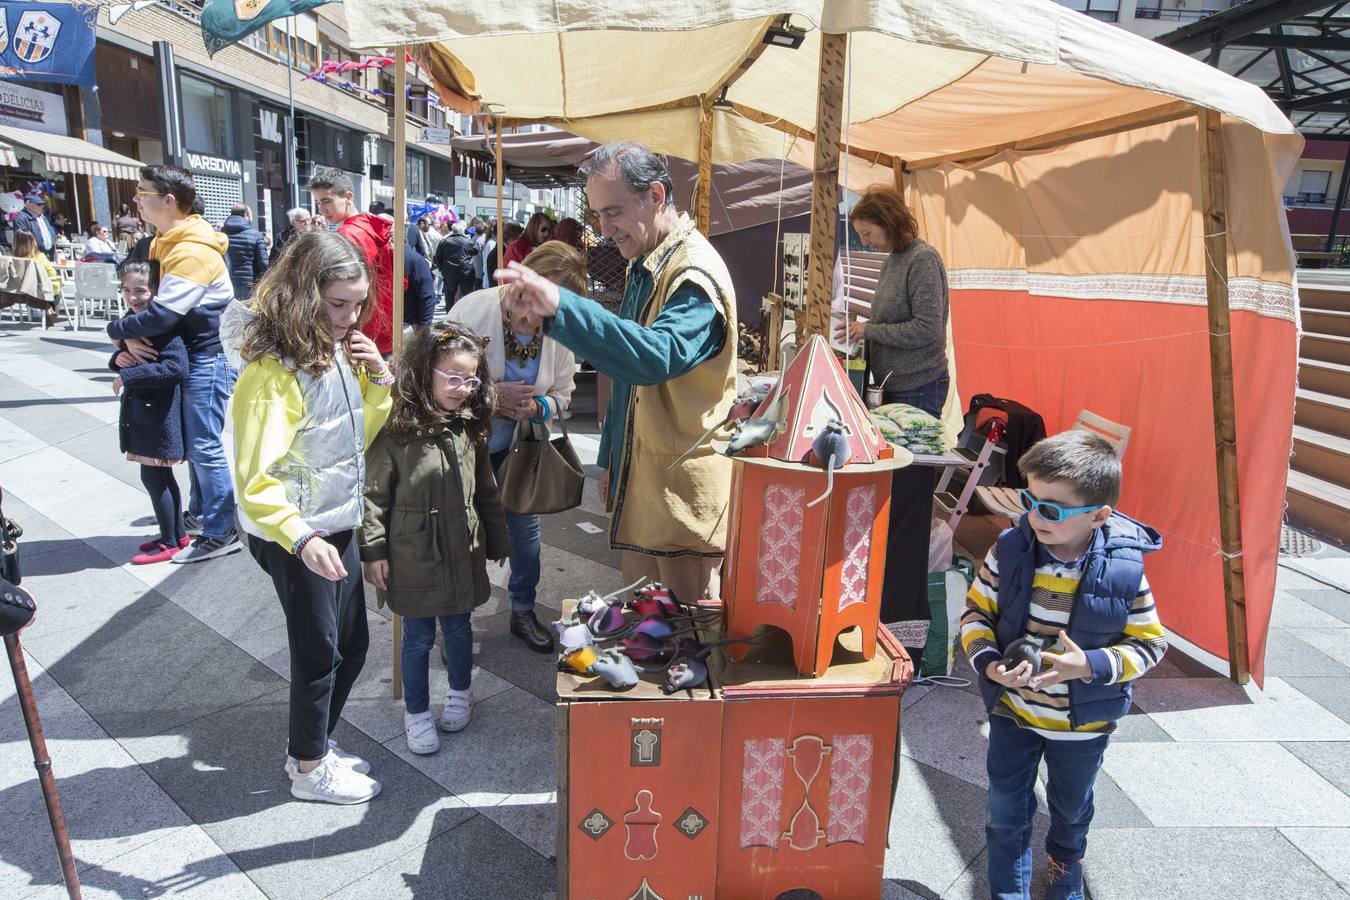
47	42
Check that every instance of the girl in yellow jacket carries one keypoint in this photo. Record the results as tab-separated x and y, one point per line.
313	394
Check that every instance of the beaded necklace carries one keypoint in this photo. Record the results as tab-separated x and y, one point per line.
514	349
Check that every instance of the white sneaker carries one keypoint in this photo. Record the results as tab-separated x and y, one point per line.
420	729
204	548
458	710
350	760
331	782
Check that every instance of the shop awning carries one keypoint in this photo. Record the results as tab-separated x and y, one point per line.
7	157
68	154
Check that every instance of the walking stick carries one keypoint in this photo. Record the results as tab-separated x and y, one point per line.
42	762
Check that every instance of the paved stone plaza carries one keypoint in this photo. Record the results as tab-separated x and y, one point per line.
163	692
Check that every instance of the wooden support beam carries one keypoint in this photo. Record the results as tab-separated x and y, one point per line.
825	185
400	235
898	173
703	206
875	157
1169	112
1214	203
501	179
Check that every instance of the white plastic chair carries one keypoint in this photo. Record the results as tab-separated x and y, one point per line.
97	289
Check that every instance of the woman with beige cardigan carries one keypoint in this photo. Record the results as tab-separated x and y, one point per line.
533	376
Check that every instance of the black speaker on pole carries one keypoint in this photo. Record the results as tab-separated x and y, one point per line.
377	172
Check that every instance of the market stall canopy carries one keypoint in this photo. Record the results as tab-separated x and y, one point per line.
927	80
744	194
68	154
7	157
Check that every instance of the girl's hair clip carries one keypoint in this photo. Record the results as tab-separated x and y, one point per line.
450	333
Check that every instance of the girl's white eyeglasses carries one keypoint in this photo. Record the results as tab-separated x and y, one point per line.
458	381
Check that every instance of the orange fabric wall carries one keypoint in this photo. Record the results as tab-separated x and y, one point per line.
1147	365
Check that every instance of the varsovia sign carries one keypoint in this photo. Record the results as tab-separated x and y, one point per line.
214	165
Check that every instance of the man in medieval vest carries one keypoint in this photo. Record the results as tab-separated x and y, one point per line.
671	352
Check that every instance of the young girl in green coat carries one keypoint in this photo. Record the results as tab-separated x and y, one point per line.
433	517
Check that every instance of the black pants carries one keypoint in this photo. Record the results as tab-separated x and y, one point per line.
326	629
455	283
167	501
904	590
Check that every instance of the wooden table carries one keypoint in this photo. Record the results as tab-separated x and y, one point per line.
757	783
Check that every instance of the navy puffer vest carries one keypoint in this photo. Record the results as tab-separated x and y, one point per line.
1112	573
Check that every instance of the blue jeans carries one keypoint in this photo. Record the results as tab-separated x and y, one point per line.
523	532
419	636
1014	755
928	397
206	392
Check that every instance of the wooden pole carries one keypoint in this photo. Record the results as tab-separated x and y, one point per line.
1214	202
703	207
42	761
400	236
501	180
898	173
825	186
400	186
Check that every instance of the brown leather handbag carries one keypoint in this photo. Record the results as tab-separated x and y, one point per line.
541	474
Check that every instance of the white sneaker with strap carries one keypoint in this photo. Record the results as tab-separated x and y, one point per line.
458	710
420	730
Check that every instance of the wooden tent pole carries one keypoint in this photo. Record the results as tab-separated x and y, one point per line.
400	236
703	207
501	180
898	173
1214	202
400	186
825	186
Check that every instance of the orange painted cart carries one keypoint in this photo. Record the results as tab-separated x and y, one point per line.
759	783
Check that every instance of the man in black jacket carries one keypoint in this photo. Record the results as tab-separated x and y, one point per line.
247	256
33	219
419	289
454	259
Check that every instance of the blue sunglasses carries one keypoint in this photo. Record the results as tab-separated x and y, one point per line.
1052	512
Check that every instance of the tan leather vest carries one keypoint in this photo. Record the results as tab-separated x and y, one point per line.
683	511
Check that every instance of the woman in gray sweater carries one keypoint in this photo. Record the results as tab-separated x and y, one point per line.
906	339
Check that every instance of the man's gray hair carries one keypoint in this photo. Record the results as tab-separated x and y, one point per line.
298	213
639	167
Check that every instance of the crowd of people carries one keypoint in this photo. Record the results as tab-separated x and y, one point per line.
353	465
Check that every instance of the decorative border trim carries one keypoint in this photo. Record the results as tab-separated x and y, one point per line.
1265	298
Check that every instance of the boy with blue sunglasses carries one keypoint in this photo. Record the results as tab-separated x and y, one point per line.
1068	576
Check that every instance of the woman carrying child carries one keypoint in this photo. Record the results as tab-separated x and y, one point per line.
313	393
151	421
433	517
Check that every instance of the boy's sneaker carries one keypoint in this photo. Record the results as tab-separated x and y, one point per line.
204	548
350	760
420	729
458	710
160	553
1066	879
331	782
154	545
192	524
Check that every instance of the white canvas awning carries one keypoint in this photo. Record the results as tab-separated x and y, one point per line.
925	80
7	157
68	154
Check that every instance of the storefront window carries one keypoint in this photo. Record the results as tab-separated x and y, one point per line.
208	124
417	177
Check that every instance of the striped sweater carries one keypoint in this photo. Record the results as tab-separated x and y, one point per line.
1054	587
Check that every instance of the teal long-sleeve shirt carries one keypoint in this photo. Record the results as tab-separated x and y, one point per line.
688	331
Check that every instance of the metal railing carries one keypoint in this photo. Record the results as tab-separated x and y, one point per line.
1104	15
1178	15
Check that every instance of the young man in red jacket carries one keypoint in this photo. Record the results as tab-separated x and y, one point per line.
332	190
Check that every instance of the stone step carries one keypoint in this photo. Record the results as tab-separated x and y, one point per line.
1322	412
1326	347
1326	321
1324	377
1325	455
1319	505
